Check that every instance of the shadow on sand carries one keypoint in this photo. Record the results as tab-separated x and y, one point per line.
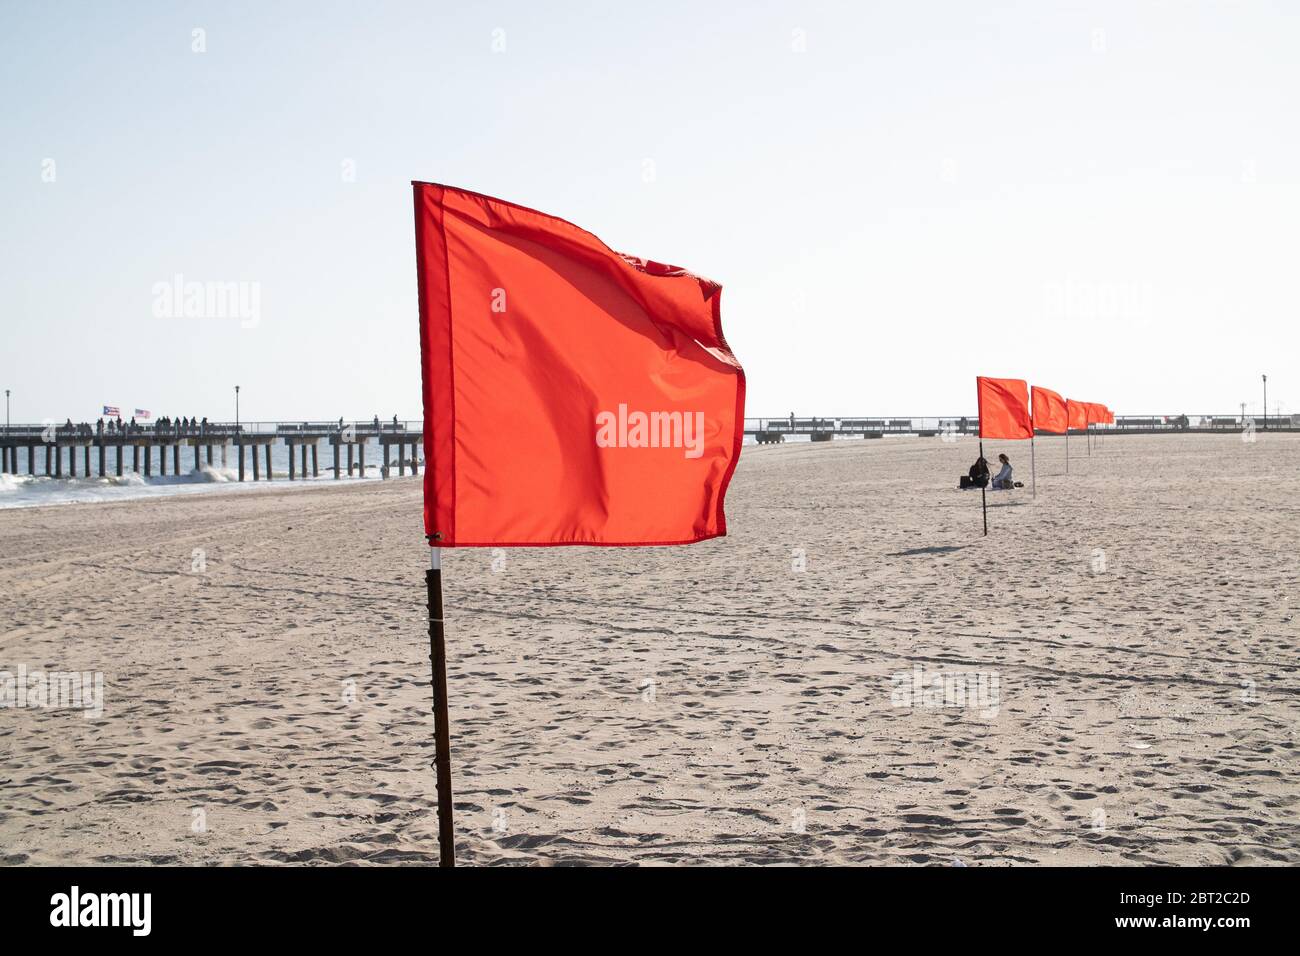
937	549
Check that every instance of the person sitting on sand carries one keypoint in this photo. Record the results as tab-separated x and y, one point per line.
1003	478
979	473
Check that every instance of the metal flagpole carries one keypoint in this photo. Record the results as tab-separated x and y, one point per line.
984	498
1067	448
441	729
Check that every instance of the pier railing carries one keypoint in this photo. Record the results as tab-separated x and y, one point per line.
214	430
776	428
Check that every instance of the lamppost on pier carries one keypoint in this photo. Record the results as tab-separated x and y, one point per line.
1265	377
236	409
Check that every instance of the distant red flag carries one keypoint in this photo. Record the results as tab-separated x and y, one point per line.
1004	408
1050	413
572	394
1078	413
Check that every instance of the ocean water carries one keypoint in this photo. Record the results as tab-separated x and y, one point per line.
27	491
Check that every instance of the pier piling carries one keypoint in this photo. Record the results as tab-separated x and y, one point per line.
89	448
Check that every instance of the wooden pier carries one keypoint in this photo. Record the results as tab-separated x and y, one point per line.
766	431
42	448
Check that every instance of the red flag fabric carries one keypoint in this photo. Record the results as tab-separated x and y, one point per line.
1004	408
1078	413
572	394
1050	413
1096	413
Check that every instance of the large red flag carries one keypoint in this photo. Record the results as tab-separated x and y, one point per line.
1096	413
1050	414
1004	408
1078	413
572	394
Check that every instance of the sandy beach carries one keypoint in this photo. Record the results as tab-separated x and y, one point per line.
1132	633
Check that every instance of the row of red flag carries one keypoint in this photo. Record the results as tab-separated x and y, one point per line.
1008	408
578	395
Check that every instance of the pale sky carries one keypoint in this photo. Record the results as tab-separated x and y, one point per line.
1097	197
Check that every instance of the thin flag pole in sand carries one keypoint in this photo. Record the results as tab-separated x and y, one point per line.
984	495
441	727
1033	467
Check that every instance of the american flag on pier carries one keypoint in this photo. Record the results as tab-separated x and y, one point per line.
142	413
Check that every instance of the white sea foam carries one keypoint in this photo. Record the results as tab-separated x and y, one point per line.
28	491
